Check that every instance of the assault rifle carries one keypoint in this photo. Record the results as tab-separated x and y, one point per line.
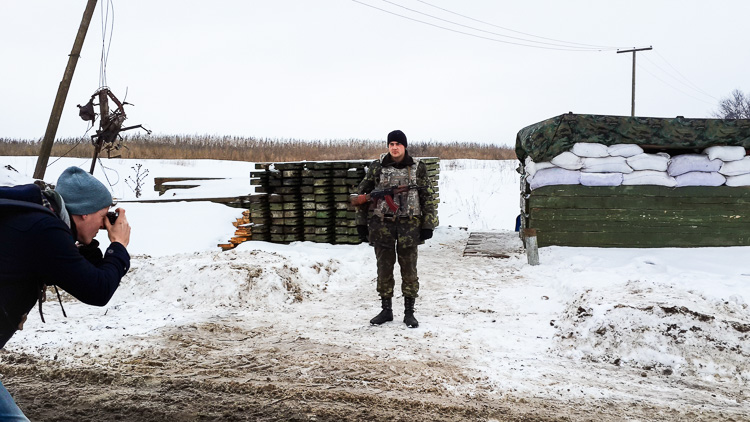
384	194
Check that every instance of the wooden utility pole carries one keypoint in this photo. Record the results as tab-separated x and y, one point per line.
62	92
632	98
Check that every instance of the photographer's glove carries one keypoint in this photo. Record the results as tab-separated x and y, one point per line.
364	233
425	234
91	252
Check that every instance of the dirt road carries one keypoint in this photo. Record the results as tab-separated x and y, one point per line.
283	336
223	372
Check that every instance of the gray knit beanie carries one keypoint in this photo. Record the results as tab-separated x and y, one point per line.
83	193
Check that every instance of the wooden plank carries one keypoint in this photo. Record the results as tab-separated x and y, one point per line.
292	165
634	202
640	239
322	182
666	227
644	190
291	182
340	189
319	190
491	244
225	201
639	216
287	190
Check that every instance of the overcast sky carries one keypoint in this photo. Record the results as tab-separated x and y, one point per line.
339	69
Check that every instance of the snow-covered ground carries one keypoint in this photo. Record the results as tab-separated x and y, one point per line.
653	327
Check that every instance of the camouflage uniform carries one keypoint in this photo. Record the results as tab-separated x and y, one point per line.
395	236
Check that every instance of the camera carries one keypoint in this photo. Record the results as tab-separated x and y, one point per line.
112	216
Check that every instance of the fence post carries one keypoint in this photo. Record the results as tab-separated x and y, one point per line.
532	251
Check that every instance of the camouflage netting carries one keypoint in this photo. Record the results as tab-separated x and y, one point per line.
544	140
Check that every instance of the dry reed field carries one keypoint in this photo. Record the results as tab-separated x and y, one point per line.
192	147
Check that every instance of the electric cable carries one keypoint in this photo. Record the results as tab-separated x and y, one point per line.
673	77
74	147
475	35
104	168
66	153
689	82
595	48
513	30
106	45
672	86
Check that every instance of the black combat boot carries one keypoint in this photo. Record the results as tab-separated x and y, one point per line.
409	319
386	314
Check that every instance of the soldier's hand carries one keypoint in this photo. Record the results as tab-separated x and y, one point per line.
425	234
120	231
364	233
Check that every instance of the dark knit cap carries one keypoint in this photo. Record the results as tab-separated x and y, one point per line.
397	136
83	193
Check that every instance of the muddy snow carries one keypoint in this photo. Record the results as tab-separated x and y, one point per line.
280	332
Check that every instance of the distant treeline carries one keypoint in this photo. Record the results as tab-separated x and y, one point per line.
192	147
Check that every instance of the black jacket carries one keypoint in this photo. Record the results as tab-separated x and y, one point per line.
37	248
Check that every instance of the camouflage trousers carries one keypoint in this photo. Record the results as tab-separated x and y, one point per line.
407	261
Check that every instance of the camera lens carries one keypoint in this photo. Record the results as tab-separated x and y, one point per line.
112	216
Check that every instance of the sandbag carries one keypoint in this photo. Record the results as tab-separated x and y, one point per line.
601	179
589	150
606	165
624	150
568	161
736	168
555	176
657	162
741	180
700	178
684	163
724	153
649	177
532	167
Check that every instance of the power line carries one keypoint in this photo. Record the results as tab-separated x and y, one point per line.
474	35
595	48
675	79
695	87
517	32
105	46
673	87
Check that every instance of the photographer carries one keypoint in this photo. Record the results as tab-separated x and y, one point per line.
48	239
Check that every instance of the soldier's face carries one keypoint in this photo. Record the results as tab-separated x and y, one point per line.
396	150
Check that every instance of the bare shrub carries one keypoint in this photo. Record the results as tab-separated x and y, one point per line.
193	147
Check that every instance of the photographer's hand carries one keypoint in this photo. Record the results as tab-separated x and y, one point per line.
120	231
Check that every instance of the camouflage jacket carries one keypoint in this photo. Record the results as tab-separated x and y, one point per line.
422	215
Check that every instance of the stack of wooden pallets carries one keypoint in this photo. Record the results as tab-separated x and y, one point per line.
308	201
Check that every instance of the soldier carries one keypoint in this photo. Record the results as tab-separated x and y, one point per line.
395	234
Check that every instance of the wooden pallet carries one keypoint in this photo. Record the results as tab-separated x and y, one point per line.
492	244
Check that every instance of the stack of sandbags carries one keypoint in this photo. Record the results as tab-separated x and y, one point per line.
735	164
592	164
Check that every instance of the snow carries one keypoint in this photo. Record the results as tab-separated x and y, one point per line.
646	325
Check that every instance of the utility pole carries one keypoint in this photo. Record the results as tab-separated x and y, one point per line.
62	92
634	50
